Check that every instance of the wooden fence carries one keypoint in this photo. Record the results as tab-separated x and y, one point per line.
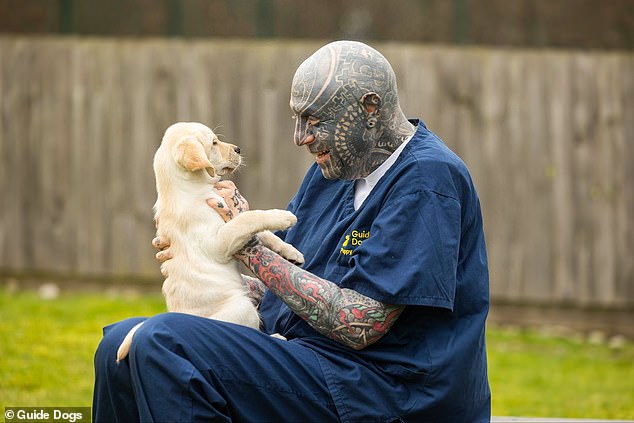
548	136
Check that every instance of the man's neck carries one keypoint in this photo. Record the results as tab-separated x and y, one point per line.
364	186
388	144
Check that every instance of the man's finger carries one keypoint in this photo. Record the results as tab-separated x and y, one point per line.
160	243
225	185
164	255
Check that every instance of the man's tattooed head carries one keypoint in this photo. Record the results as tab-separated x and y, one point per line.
345	103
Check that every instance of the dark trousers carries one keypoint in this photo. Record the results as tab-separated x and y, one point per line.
184	368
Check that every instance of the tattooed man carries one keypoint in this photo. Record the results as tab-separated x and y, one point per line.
385	320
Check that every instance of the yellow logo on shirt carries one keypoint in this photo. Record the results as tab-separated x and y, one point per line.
352	240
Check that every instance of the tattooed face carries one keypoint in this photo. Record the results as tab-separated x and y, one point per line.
345	104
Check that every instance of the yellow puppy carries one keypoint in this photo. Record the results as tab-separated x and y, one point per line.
203	279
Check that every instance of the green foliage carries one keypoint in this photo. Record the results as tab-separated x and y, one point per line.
47	349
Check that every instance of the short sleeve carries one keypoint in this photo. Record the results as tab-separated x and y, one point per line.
410	255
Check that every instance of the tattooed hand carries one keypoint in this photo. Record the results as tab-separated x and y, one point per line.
343	315
255	289
234	203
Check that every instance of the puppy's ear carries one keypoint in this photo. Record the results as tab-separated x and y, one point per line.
190	154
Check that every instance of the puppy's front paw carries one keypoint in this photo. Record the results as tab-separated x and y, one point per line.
291	254
283	219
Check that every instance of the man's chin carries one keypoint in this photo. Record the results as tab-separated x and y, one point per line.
330	175
334	172
326	174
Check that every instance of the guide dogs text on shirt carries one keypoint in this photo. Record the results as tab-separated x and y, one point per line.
352	240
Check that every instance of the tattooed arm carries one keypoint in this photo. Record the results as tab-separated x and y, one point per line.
338	313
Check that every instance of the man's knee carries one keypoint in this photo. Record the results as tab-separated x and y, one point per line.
105	360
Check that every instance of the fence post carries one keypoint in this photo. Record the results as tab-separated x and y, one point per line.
66	17
461	21
175	18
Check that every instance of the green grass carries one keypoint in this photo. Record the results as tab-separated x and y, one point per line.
47	346
46	350
533	374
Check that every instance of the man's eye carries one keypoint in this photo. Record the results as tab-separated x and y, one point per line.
312	121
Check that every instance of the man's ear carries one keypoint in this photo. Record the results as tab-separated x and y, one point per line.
190	154
371	102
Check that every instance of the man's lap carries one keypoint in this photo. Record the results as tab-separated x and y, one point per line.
254	375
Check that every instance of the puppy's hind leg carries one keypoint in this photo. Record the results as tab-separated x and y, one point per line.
124	348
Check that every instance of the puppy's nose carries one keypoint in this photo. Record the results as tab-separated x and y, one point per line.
236	149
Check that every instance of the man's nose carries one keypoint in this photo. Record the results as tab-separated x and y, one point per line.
305	140
303	133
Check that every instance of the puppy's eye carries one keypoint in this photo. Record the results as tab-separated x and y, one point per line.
214	142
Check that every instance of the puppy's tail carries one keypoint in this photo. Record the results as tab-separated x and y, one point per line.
124	348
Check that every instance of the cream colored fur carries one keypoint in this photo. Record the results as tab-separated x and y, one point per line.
203	278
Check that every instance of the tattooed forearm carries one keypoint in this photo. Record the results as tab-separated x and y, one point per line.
340	314
255	288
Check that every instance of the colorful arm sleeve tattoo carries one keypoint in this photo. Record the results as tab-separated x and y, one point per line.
341	314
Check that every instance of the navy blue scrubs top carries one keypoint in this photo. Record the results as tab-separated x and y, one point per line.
417	240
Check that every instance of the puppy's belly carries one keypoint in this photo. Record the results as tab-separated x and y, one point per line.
239	310
215	291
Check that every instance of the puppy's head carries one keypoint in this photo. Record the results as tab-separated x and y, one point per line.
194	147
